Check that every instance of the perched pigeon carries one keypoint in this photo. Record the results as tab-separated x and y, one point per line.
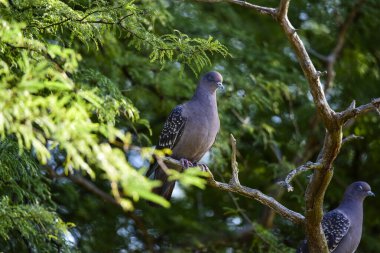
343	225
190	130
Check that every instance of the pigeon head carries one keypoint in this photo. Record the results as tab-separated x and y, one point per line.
359	190
212	81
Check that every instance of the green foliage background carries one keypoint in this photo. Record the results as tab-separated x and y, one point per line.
85	82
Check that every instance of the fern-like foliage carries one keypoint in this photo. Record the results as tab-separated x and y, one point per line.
48	101
64	23
182	48
26	209
40	103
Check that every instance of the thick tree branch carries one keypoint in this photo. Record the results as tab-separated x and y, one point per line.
330	61
321	178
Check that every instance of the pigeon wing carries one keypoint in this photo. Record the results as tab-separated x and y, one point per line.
173	129
169	137
335	225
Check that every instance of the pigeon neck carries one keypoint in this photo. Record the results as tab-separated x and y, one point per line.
352	204
204	95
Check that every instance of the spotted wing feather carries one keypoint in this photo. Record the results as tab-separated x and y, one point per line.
173	129
335	225
169	137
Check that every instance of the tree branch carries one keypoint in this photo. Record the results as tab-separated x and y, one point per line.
41	51
235	187
252	225
234	165
262	198
321	178
350	113
305	167
351	137
68	19
84	183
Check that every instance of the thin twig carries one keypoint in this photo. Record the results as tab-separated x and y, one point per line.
305	167
76	20
42	51
350	138
350	113
83	182
260	9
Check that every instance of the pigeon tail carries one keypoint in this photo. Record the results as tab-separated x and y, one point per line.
166	189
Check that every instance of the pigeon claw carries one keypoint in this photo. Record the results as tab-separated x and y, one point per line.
186	163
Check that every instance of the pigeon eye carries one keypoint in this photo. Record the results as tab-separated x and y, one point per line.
360	187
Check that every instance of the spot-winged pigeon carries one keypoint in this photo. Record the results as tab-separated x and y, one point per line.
190	130
343	225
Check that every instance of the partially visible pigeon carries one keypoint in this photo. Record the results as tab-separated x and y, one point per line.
190	130
343	225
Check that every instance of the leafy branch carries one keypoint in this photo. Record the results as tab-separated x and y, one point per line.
131	22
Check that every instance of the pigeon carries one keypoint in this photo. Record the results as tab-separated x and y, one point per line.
343	225
190	130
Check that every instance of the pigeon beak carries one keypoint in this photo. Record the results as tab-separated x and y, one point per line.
369	193
220	85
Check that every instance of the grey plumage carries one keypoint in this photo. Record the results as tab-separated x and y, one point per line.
343	225
190	129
